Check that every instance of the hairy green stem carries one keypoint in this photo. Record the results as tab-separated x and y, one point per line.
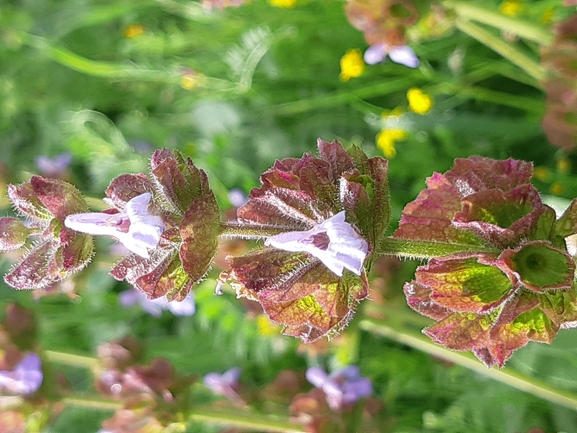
476	12
411	249
506	375
510	52
250	231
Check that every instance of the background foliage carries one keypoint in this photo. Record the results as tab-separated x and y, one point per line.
236	89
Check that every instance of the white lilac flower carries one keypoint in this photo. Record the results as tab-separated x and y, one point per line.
25	378
403	55
334	242
342	387
135	227
155	307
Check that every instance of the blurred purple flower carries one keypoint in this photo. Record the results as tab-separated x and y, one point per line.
25	378
342	387
224	384
53	167
334	242
403	55
154	307
237	197
135	227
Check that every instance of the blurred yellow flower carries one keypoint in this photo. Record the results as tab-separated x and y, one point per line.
352	64
541	173
419	101
133	31
547	16
556	188
265	327
511	7
188	82
563	165
387	138
283	3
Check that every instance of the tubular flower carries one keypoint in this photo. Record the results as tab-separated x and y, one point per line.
329	213
135	227
170	223
491	302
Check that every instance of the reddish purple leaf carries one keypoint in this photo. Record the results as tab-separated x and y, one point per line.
419	299
199	231
179	180
125	187
59	197
36	269
339	160
25	200
477	173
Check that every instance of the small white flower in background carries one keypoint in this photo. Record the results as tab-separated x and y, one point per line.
25	378
342	387
225	384
53	167
135	227
334	242
155	307
403	55
237	197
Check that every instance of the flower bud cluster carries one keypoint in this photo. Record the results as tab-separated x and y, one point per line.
516	282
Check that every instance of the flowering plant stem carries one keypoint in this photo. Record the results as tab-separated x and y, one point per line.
411	249
241	419
395	330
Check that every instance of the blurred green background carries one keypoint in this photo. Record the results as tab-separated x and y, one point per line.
235	89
